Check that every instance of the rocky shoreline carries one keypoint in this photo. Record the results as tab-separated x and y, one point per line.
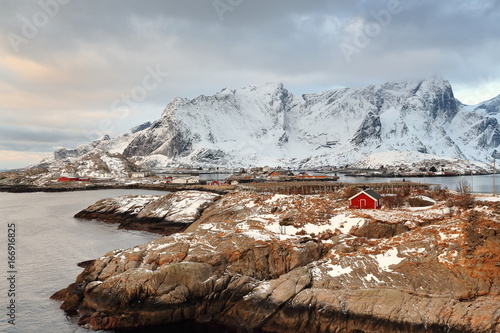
153	225
162	214
293	263
23	188
32	188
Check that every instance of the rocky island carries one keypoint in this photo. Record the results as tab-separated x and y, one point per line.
299	263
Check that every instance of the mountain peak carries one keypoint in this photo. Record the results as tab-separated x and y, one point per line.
436	82
267	89
491	107
140	127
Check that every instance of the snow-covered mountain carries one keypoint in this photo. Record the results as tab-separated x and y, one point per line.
100	158
267	125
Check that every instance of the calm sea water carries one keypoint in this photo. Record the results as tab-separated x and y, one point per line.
478	184
49	244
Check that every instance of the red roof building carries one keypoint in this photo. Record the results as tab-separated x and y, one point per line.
67	179
367	199
71	179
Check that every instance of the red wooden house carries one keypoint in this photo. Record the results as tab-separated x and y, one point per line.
366	199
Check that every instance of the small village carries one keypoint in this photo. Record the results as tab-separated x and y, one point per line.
431	168
267	174
118	169
254	175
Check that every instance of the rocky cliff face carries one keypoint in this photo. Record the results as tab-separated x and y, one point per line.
305	264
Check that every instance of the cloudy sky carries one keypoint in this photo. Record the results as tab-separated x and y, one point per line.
74	70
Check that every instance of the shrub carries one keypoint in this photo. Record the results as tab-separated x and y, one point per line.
465	201
464	198
438	193
389	201
394	201
350	191
463	186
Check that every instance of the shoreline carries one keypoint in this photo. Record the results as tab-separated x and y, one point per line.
96	187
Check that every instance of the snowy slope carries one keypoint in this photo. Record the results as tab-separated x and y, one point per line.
100	158
267	125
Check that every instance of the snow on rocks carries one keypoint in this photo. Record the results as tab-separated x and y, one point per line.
345	222
166	214
387	259
116	164
406	214
281	216
132	204
180	207
337	270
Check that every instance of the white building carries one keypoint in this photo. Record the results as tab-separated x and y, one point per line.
140	174
186	179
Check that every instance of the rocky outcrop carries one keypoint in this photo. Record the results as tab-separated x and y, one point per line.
165	215
370	129
294	264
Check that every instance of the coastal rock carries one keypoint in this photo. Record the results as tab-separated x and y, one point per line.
165	214
240	265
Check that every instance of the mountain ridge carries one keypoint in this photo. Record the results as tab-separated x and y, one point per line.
268	125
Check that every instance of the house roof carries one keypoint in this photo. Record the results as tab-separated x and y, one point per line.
371	193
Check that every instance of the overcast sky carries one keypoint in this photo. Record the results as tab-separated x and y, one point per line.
73	70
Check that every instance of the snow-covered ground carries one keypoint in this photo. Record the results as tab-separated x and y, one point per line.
181	206
441	239
488	198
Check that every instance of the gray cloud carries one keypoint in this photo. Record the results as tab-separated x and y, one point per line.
87	55
35	139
